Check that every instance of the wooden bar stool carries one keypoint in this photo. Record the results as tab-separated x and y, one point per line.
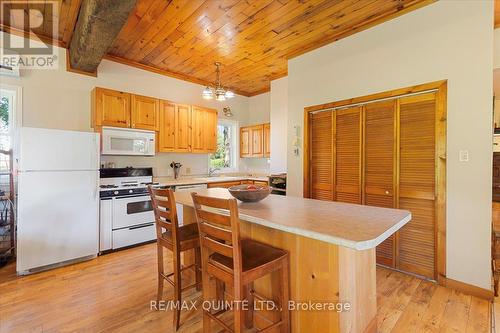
236	262
177	239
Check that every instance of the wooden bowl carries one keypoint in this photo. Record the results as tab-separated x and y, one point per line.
242	193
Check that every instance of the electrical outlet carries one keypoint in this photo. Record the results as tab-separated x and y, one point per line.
188	171
463	156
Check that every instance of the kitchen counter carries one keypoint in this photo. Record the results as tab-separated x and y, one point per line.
332	256
353	226
169	181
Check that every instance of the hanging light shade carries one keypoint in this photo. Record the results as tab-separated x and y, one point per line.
217	90
207	93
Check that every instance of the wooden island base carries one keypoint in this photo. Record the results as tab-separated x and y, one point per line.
320	272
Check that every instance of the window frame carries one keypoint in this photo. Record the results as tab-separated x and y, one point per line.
235	126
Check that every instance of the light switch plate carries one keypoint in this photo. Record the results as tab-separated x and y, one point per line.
463	156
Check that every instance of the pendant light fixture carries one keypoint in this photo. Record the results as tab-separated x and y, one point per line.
217	91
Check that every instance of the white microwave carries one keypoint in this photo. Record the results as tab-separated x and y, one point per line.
126	141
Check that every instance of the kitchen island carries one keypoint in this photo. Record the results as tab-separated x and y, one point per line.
332	256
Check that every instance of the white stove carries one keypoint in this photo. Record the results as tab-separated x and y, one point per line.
126	213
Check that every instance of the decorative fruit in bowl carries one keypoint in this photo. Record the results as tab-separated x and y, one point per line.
249	193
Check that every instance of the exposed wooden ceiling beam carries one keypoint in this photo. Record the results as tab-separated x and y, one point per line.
99	22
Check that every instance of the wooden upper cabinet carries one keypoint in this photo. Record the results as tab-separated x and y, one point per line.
197	114
167	132
203	130
245	147
210	130
145	113
267	140
110	108
257	140
253	141
182	128
175	127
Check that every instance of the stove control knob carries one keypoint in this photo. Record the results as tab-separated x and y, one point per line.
116	192
130	191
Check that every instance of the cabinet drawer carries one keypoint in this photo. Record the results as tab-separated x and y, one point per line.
133	235
260	182
224	184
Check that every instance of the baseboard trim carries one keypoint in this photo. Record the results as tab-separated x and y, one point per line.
469	289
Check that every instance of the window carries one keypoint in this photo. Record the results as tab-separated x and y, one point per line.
6	107
225	157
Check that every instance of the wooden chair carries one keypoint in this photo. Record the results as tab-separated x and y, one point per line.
236	262
177	239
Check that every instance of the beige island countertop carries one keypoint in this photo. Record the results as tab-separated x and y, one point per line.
349	225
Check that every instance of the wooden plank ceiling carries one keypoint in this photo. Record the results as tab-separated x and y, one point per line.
253	39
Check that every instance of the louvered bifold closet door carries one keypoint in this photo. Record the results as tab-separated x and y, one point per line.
321	155
348	155
417	184
379	167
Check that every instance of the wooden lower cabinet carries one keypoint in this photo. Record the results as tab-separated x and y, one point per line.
236	182
382	154
225	184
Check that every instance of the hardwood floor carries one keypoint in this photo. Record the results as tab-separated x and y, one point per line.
113	292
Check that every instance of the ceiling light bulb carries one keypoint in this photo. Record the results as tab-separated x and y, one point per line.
207	93
229	94
220	97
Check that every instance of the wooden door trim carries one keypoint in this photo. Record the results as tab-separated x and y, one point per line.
436	85
440	88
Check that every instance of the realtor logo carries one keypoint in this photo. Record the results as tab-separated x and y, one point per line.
37	22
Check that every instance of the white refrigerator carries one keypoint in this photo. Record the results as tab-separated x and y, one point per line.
58	198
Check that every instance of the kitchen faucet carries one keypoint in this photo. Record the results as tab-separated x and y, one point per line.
211	171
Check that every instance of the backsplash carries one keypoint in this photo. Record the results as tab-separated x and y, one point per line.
255	165
192	164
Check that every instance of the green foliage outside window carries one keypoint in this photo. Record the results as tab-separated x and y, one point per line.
4	112
222	156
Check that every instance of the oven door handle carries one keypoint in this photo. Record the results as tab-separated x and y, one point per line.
133	196
141	226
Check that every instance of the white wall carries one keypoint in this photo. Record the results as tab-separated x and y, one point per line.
60	99
279	116
258	113
259	107
450	40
